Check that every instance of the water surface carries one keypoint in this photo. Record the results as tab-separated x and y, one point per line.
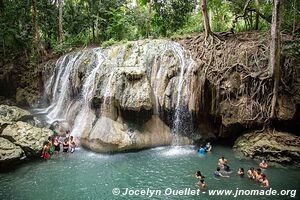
87	175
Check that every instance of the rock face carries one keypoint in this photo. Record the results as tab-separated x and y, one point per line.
132	83
273	146
9	153
19	140
111	136
13	113
114	99
28	137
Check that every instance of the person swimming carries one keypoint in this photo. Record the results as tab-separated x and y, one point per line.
201	151
202	184
222	162
217	173
257	174
250	173
264	181
227	169
199	176
208	147
241	172
263	164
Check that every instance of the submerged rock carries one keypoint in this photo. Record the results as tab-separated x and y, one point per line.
273	146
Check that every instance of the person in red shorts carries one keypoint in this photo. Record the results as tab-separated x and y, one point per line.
45	153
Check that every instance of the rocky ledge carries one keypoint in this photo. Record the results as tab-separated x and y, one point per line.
115	136
274	146
19	140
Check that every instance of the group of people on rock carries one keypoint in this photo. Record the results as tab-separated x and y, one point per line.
53	145
223	170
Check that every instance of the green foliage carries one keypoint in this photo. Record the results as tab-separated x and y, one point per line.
88	22
170	15
108	43
193	25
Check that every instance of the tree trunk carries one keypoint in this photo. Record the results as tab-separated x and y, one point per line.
205	19
149	8
257	16
294	20
275	52
37	38
60	27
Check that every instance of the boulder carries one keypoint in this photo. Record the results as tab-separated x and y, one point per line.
10	153
115	136
26	136
273	146
13	114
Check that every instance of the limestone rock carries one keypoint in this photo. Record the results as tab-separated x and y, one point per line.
13	113
115	136
9	153
133	90
28	137
273	146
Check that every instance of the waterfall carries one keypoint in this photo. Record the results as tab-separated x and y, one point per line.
179	116
83	118
98	75
61	95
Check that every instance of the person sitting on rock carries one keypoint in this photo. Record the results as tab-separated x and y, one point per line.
217	173
264	181
72	144
222	162
263	164
241	172
250	173
45	153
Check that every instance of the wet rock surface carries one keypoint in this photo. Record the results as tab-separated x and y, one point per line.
19	140
274	146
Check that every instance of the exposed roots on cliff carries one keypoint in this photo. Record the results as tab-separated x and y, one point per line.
237	66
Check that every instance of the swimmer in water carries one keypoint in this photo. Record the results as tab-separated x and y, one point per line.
250	173
241	172
222	162
264	181
263	164
217	173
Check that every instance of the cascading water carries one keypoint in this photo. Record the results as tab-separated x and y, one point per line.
103	74
83	118
180	119
61	92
